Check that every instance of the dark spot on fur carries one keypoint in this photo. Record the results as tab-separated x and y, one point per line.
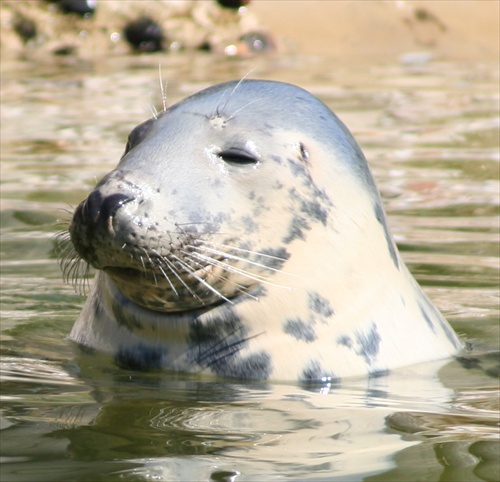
260	206
425	314
281	253
217	183
322	196
278	259
205	337
123	313
216	345
298	169
300	330
344	340
320	305
256	366
433	318
379	374
139	357
222	217
450	334
296	230
250	225
244	244
211	222
379	214
313	371
369	344
314	210
259	291
97	308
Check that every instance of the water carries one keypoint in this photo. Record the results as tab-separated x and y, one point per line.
431	134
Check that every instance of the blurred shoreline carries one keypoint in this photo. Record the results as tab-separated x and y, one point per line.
345	30
361	30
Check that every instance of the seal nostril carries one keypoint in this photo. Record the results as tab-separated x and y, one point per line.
92	207
112	203
96	208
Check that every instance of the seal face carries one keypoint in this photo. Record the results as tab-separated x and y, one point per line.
242	234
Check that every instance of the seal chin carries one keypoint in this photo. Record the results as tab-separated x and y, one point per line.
158	292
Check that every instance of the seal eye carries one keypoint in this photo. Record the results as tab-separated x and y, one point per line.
238	157
137	135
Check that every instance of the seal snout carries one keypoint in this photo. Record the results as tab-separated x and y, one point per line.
94	221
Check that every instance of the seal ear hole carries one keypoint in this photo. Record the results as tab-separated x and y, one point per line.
238	157
304	153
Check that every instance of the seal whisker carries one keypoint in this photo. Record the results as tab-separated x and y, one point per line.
69	211
224	278
152	264
65	251
235	88
233	269
168	280
221	349
246	260
163	88
153	109
141	259
219	111
232	116
259	253
189	270
224	349
75	270
230	256
216	112
172	268
76	274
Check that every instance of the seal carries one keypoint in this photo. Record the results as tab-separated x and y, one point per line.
242	234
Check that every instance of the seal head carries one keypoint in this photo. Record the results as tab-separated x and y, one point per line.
242	234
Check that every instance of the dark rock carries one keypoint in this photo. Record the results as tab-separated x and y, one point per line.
84	8
235	4
145	35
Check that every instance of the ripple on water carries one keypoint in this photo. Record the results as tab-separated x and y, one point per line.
431	136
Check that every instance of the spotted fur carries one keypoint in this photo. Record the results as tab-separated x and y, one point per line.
241	234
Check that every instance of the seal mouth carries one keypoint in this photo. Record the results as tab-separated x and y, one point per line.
133	274
128	274
173	291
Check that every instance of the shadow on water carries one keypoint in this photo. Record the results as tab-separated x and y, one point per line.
430	133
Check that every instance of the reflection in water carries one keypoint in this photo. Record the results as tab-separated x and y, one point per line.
431	136
175	427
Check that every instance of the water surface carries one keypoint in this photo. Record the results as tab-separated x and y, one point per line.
431	135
